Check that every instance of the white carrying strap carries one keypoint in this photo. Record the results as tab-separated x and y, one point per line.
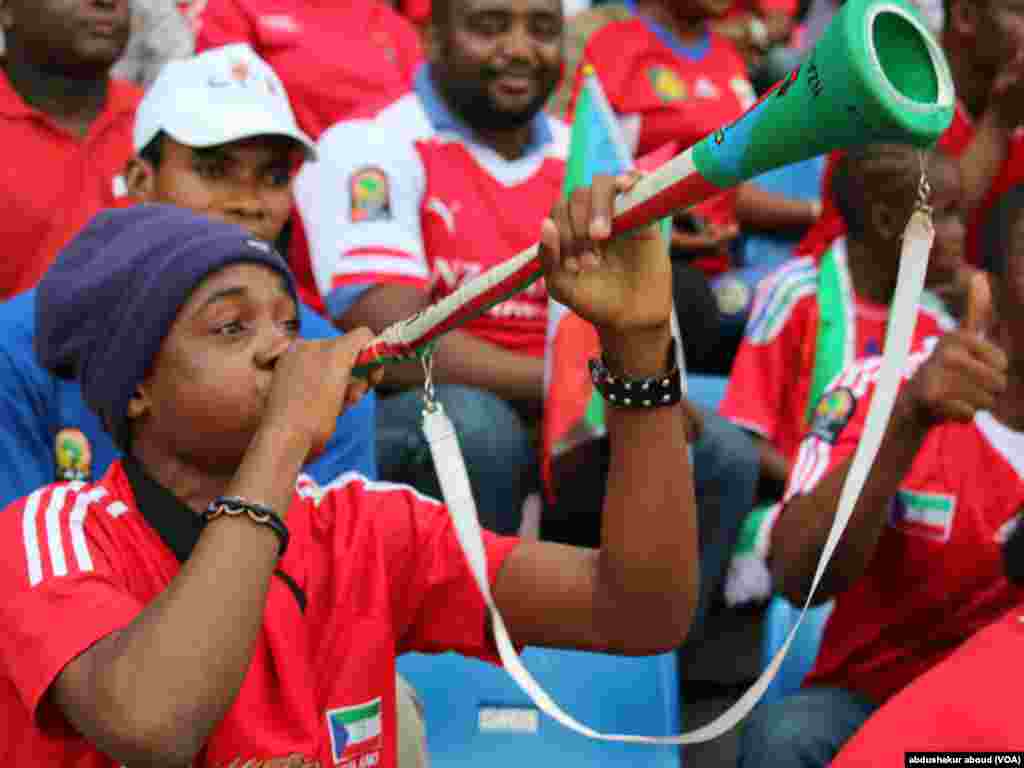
451	471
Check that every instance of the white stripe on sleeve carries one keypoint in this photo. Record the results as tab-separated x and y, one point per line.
116	509
54	540
77	525
31	536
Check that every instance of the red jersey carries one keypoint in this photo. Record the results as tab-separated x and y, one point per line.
336	60
374	570
969	701
664	91
409	197
937	575
954	142
770	383
55	181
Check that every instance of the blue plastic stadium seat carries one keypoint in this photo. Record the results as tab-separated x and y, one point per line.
778	622
477	716
705	390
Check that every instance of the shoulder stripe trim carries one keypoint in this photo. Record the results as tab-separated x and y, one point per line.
773	314
55	528
116	509
791	270
782	280
54	540
77	525
31	538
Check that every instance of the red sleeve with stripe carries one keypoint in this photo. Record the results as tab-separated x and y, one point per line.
766	378
770	378
757	384
836	427
59	590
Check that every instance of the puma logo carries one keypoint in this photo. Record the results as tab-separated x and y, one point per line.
446	213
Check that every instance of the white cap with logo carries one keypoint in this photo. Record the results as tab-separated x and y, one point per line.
221	95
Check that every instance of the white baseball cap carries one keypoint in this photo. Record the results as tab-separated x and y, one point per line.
221	95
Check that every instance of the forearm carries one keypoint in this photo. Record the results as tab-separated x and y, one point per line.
757	208
202	628
984	156
649	531
802	529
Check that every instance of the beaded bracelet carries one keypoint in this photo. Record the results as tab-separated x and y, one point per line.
235	506
655	392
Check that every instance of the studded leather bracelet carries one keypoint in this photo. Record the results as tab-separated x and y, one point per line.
654	392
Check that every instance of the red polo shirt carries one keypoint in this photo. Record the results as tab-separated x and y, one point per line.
372	570
335	58
52	181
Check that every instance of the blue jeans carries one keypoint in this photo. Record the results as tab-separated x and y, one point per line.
804	730
726	466
495	443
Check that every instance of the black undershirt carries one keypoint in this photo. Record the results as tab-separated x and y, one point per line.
176	524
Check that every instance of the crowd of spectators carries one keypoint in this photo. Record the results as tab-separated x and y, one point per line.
394	151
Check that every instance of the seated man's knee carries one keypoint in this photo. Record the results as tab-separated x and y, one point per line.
487	425
498	451
726	464
730	445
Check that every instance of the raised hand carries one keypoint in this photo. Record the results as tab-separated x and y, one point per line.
623	286
966	373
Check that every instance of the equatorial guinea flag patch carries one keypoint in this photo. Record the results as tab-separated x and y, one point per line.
356	734
928	515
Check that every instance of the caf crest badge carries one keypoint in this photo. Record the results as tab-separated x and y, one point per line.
72	456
